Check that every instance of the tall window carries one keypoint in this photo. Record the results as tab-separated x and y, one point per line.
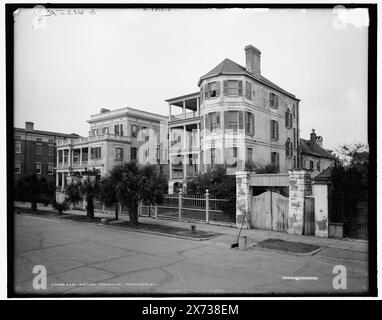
248	90
118	129
294	138
274	130
249	123
105	130
212	89
231	156
288	119
232	121
76	155
213	156
50	169
94	132
134	131
17	167
294	111
133	156
118	153
275	159
311	165
233	87
38	148
289	148
38	167
318	166
85	154
249	154
273	100
18	147
66	156
50	150
213	121
95	153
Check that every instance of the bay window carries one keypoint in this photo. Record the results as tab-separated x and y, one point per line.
233	87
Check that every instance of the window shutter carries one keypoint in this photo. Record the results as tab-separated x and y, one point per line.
206	93
201	123
286	119
277	130
208	121
240	88
225	87
225	119
277	160
217	88
201	94
271	126
241	120
276	100
253	124
247	125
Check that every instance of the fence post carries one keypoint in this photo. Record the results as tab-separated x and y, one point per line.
120	208
180	205
155	211
207	206
103	207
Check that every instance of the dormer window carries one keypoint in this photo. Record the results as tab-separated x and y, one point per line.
233	88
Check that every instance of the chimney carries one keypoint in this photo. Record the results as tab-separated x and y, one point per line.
103	110
252	59
313	136
319	141
29	125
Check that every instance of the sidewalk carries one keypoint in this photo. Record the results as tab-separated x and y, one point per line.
229	234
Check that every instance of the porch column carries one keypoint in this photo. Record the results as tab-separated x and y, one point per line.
170	166
243	199
320	191
58	159
184	166
184	109
197	107
81	157
299	187
57	179
169	112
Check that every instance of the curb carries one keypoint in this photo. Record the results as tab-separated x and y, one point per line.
254	246
121	228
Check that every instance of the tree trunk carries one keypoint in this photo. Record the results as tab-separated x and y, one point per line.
90	207
34	206
133	214
116	211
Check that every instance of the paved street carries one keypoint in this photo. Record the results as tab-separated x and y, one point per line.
82	258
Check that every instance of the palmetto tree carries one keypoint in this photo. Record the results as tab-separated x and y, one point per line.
80	189
134	183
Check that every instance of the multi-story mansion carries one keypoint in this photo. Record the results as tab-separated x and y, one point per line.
237	116
35	151
116	136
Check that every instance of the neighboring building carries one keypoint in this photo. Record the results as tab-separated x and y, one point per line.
115	136
236	116
314	156
35	151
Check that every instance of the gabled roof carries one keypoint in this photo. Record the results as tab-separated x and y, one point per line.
324	175
312	148
228	66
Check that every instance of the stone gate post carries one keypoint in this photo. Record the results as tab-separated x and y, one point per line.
243	199
299	187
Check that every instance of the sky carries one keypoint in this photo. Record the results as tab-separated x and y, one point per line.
69	66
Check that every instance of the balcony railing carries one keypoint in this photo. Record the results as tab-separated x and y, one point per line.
188	115
67	142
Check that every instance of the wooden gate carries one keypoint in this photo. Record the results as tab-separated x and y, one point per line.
269	212
309	219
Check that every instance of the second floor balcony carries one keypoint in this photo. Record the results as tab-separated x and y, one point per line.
188	107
